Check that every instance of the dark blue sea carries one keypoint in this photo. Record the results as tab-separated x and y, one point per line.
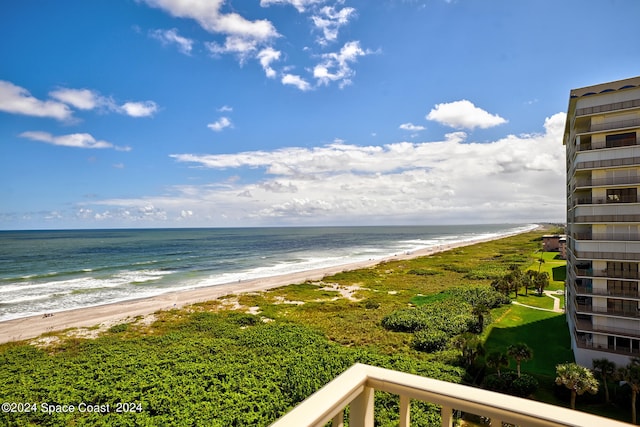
50	271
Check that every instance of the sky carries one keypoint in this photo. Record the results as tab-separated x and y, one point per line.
226	113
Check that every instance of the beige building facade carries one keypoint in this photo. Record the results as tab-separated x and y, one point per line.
602	139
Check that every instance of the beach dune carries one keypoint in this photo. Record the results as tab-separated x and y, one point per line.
34	326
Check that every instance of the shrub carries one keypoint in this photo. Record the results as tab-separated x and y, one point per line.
430	340
509	383
121	327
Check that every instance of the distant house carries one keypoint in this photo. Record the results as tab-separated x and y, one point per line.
552	242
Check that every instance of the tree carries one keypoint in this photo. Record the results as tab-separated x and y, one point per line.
576	378
605	369
479	307
530	280
630	374
497	360
519	352
515	278
471	347
541	282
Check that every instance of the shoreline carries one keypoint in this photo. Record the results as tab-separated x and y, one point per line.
33	326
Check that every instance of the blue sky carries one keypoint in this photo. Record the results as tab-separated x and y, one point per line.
190	113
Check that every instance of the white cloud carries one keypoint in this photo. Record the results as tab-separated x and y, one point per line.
463	115
17	100
513	179
83	99
336	66
225	109
297	81
266	57
76	140
411	127
139	109
329	20
171	37
220	124
300	5
242	35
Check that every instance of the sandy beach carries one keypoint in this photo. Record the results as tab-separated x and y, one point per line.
34	326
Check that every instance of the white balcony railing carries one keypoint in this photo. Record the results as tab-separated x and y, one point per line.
355	388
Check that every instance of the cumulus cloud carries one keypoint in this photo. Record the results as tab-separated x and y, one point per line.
328	20
336	66
266	57
411	127
17	100
463	114
242	35
171	37
517	178
75	140
297	81
82	99
139	109
220	124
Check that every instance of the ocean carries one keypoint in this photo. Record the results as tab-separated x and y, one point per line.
50	271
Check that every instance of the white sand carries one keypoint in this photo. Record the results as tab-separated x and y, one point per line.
33	326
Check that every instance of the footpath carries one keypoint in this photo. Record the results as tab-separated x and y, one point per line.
552	295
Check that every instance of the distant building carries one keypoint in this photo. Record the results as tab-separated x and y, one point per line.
551	242
603	221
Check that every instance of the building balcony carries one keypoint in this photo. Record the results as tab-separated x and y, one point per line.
603	200
600	182
589	272
587	327
356	386
605	108
613	237
584	342
603	311
606	163
621	293
595	210
628	142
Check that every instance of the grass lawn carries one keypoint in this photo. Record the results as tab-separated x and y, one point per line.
555	266
546	333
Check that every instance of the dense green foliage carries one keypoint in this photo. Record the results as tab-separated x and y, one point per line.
213	369
509	383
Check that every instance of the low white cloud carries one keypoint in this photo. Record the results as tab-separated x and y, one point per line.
297	81
17	100
411	127
336	66
220	124
328	20
464	114
171	37
75	140
225	109
139	109
517	178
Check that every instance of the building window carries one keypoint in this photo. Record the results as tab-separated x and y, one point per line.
621	140
622	195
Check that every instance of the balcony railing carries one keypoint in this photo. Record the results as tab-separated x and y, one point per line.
586	326
603	200
622	293
618	124
589	219
617	237
598	164
588	344
619	256
590	309
588	146
608	107
596	182
589	272
355	388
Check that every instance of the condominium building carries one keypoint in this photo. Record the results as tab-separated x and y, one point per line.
602	136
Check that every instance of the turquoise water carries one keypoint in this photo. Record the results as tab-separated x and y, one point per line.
49	271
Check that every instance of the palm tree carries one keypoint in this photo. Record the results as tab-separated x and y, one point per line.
530	280
630	374
605	369
519	352
497	360
471	347
541	282
515	278
576	378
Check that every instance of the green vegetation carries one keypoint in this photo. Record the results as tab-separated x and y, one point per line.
210	365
